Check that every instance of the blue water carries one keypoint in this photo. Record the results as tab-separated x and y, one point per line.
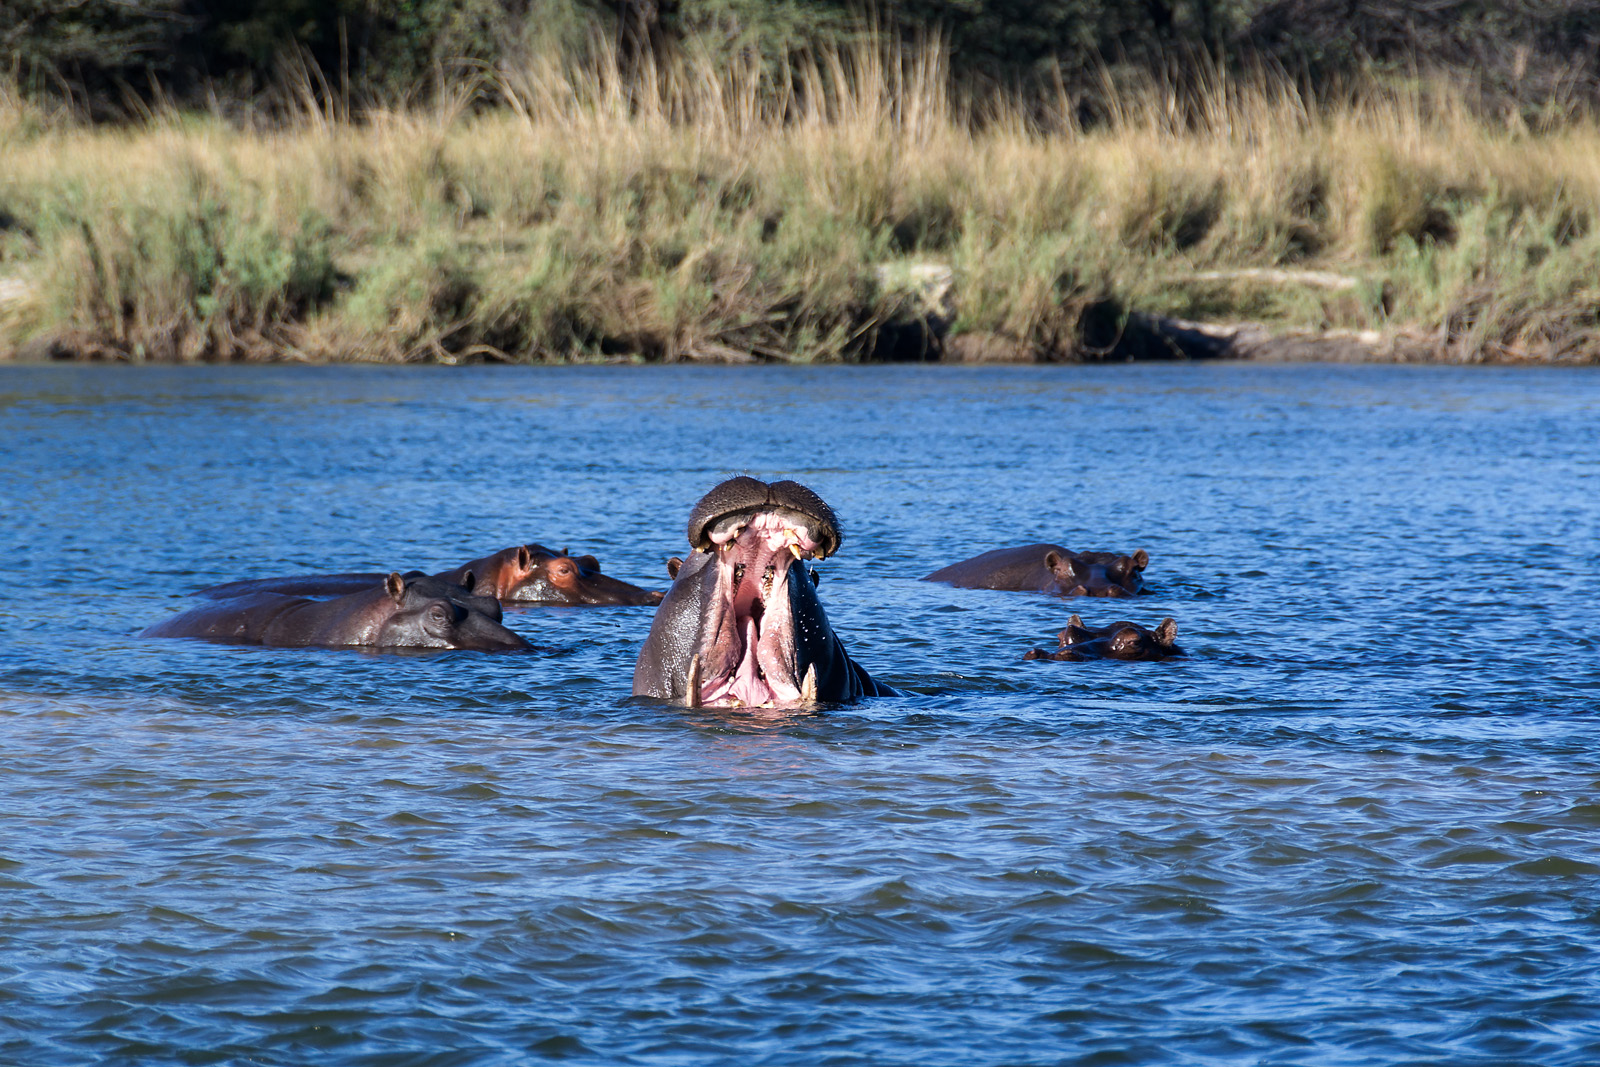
1358	824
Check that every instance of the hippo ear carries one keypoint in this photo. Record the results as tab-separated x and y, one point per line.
566	551
1141	559
524	557
469	581
672	566
1051	558
395	586
1167	633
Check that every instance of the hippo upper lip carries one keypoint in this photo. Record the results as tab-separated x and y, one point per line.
730	506
797	530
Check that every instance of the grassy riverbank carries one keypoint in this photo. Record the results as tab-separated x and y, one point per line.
728	213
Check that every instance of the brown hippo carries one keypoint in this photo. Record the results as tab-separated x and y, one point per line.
1120	640
742	625
417	612
533	574
1046	568
521	574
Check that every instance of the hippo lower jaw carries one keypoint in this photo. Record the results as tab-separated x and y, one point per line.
749	658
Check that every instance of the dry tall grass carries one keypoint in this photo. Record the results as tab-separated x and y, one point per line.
720	211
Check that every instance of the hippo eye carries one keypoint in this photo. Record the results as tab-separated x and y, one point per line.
438	613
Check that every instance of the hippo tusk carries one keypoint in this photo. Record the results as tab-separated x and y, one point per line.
694	681
808	688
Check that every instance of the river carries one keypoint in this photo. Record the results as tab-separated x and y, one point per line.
1359	823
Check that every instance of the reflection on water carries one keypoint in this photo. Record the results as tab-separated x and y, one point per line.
1357	824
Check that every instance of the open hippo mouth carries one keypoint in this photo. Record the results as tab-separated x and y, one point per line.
749	659
741	626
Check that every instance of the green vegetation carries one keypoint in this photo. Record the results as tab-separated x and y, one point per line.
697	202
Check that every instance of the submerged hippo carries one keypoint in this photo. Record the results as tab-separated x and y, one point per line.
521	574
533	574
1120	640
416	612
1046	568
742	625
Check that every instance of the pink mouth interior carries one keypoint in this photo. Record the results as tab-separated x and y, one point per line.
750	661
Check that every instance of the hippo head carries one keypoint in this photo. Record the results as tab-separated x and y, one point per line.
742	625
424	615
1097	573
1124	640
533	574
1120	640
545	577
464	592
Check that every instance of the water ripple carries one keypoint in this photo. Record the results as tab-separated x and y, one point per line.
1355	825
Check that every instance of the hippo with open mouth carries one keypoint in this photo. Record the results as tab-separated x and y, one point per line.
742	625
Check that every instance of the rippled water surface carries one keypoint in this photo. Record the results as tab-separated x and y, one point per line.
1359	824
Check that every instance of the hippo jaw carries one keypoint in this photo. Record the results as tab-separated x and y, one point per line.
748	655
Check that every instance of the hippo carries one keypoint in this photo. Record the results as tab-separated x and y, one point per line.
741	625
533	574
1120	640
1046	568
521	574
416	612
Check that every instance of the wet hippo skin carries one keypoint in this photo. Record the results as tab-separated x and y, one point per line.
1119	640
521	574
417	612
1047	568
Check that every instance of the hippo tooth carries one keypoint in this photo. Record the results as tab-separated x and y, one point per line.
808	688
694	681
